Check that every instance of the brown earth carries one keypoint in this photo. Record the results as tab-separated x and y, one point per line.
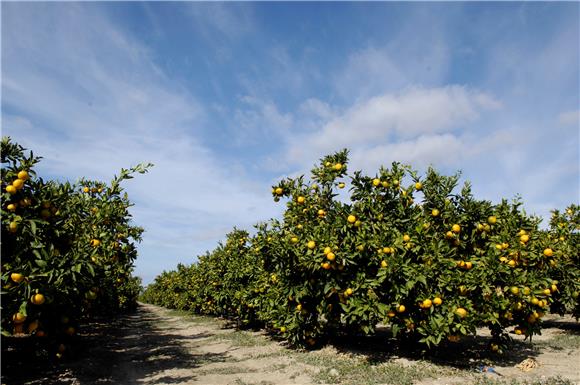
159	346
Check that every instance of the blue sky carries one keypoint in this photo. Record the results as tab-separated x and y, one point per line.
227	98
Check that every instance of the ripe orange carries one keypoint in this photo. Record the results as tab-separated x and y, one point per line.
338	167
492	220
406	238
330	256
401	309
341	185
351	219
11	207
327	250
13	226
17	277
95	242
437	301
418	186
449	235
376	182
300	199
524	238
86	189
37	299
279	191
427	303
348	291
461	312
456	228
384	264
325	265
18	318
18	184
548	252
311	245
435	212
294	240
11	189
514	290
23	175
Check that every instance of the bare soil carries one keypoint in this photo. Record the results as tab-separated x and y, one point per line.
154	345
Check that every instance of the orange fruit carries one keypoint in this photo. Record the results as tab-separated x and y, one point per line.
95	242
492	220
23	175
294	240
548	252
11	189
300	199
406	238
461	312
37	299
279	191
11	207
401	309
18	318
341	185
351	219
435	212
427	303
348	291
17	277
524	238
330	256
18	184
337	167
13	226
456	228
325	265
437	301
311	245
376	182
384	264
418	186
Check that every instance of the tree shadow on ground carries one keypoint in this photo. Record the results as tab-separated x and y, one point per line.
468	353
125	350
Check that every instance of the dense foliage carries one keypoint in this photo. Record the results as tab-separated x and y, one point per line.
67	250
413	252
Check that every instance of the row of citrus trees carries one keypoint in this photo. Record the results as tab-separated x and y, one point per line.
412	252
67	250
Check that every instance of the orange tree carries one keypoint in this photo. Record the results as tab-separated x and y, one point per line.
433	269
68	249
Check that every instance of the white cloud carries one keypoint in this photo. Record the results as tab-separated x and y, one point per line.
569	118
390	117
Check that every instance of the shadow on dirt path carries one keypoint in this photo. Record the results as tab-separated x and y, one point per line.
131	349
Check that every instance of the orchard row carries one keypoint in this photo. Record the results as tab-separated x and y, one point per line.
67	250
411	252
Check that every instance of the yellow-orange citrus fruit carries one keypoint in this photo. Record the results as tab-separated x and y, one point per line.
17	277
11	189
23	175
311	244
351	219
548	252
456	228
37	299
461	312
330	256
18	184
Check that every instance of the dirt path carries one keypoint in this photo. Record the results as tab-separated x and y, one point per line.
159	346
